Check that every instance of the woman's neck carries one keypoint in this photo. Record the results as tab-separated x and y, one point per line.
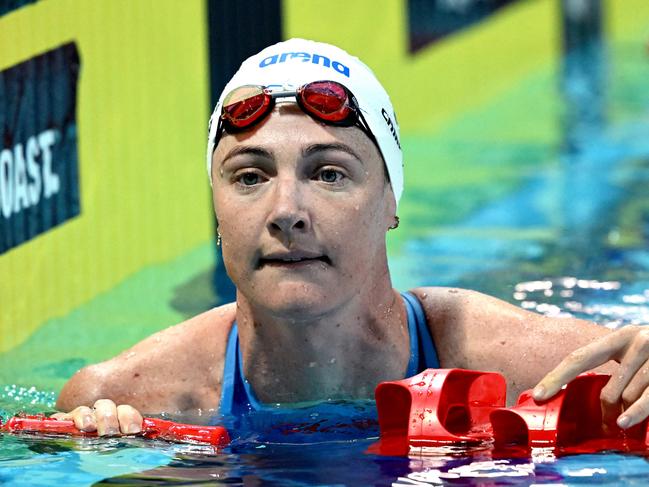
341	354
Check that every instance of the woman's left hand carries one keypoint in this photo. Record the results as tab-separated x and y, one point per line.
625	398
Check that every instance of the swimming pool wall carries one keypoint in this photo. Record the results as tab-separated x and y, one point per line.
479	110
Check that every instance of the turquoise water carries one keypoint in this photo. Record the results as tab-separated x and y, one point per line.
328	444
297	458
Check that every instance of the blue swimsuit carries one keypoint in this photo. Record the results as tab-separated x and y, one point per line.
237	396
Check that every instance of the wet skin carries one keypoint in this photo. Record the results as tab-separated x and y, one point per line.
303	210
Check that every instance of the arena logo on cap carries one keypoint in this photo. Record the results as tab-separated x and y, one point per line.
305	57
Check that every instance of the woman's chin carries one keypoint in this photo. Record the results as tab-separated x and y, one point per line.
298	302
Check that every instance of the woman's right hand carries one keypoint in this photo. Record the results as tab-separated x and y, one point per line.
106	418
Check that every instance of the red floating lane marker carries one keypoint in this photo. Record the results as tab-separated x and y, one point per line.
439	406
151	428
168	430
572	417
452	406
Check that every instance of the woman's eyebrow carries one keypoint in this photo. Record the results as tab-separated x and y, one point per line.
315	148
251	150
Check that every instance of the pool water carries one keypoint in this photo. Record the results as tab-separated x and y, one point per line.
320	450
330	444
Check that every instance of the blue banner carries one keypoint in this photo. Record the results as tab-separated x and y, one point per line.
432	20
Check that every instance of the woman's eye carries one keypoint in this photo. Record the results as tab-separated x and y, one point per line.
330	176
250	179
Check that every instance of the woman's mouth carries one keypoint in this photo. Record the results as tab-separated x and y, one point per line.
293	260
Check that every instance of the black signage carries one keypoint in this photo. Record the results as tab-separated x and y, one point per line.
432	20
7	6
39	183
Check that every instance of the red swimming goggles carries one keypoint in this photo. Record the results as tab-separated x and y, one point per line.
325	101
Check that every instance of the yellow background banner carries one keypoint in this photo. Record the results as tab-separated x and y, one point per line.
143	104
141	111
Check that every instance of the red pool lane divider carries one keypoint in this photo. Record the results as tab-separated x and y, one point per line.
440	406
152	428
572	417
452	406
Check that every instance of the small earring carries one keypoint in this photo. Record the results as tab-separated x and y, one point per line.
218	238
396	223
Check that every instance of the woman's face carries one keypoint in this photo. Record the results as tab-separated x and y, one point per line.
303	208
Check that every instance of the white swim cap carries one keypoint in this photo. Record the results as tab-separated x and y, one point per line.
298	61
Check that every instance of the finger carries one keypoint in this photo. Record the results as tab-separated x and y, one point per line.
626	386
639	383
84	418
610	413
106	417
130	419
635	357
581	360
636	413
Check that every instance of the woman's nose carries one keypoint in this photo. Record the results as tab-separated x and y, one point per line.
288	214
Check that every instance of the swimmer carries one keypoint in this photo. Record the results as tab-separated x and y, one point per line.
305	164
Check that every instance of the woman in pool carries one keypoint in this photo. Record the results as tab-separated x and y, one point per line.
306	176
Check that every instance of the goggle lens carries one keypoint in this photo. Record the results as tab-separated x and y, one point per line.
243	106
326	100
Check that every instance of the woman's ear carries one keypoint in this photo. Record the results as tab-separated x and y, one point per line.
390	208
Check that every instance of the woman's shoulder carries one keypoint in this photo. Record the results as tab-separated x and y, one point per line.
202	335
447	299
460	309
472	308
213	324
178	368
464	323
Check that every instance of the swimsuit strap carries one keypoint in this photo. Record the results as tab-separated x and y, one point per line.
229	372
422	348
237	395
